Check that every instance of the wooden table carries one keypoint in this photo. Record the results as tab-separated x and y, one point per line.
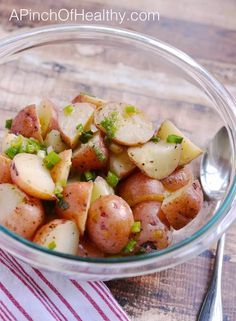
207	31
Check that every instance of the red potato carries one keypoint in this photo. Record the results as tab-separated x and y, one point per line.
179	178
61	170
88	249
139	188
47	117
182	206
59	235
27	123
109	223
85	98
92	155
5	173
29	174
152	228
78	196
19	212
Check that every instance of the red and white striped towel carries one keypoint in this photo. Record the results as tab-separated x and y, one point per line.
29	294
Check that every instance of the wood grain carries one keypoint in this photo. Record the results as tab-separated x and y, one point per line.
207	31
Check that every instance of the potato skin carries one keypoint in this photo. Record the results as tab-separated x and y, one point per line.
109	223
137	186
85	98
5	172
27	123
183	206
85	157
88	249
26	218
152	229
78	196
178	179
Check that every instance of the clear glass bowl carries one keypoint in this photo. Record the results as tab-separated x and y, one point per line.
60	61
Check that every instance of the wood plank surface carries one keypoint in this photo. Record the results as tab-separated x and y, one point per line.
207	31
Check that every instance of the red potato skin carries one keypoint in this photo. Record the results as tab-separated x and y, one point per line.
137	186
178	179
26	218
184	208
109	223
77	195
27	123
88	249
5	170
86	159
152	228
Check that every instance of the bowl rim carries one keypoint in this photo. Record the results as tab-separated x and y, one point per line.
222	93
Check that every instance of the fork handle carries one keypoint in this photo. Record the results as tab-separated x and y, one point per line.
211	309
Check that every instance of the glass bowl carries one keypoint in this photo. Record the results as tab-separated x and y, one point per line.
61	61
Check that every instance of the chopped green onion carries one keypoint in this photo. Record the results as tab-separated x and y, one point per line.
112	179
88	176
174	139
8	123
86	136
155	139
58	190
52	245
129	109
11	152
51	160
80	127
68	109
130	246
63	204
136	227
99	153
109	124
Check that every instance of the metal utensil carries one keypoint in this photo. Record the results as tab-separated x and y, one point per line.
214	176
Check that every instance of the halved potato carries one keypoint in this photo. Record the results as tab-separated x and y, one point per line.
29	174
120	164
92	155
27	123
85	98
125	128
189	149
101	188
6	141
5	173
82	114
156	160
78	197
53	139
153	232
47	116
19	212
59	235
182	206
60	172
139	188
180	177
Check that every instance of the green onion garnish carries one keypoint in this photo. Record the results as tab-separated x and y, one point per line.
155	139
129	109
136	227
99	153
112	179
8	123
109	124
86	136
68	109
80	127
22	144
11	152
51	160
58	190
52	245
130	246
63	204
174	139
88	176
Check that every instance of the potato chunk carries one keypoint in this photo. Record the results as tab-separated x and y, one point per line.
86	98
124	127
120	164
54	140
179	178
5	173
189	149
47	116
60	172
156	160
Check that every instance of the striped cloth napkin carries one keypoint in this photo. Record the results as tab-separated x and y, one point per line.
29	294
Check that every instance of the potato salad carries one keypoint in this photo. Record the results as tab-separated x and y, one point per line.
96	178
